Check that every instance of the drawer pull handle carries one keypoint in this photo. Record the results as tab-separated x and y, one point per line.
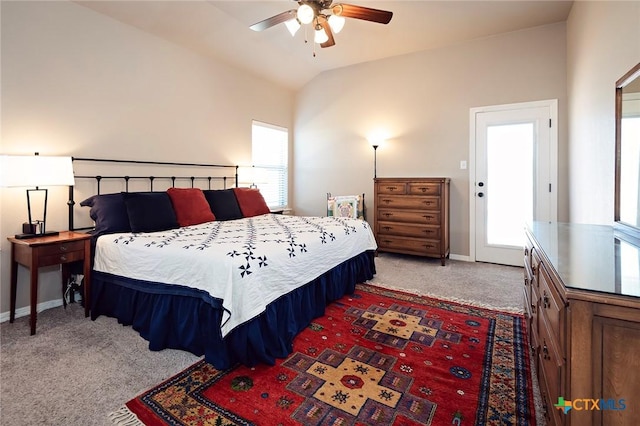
545	300
387	241
428	203
428	217
388	214
386	228
63	258
423	189
386	201
428	246
63	248
545	352
427	231
391	188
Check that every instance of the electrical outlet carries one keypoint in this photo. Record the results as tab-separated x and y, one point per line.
463	164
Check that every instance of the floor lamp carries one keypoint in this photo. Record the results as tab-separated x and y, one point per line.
375	143
33	172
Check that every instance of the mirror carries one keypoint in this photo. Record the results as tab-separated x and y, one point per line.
627	195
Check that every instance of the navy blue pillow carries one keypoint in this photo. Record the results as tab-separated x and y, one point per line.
223	203
150	211
109	213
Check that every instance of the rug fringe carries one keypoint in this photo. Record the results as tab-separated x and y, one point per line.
506	309
124	417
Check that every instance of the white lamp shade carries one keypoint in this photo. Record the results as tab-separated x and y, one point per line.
293	26
336	23
35	170
321	36
305	14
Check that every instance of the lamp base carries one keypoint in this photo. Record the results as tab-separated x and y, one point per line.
28	236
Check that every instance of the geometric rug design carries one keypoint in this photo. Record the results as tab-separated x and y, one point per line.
377	357
359	383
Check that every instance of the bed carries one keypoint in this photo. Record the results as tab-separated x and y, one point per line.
213	271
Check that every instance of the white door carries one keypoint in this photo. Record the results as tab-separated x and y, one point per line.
513	179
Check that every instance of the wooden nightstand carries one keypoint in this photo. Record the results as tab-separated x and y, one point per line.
59	249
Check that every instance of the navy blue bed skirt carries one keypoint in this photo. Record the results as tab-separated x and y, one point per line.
178	317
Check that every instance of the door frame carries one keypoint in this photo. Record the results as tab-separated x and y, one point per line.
552	104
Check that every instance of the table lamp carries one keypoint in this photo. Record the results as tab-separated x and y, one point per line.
35	171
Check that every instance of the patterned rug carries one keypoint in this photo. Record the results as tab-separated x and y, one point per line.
377	357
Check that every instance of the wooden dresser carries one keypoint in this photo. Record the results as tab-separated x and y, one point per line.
582	300
412	216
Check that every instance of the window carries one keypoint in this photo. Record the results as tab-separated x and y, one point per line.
269	152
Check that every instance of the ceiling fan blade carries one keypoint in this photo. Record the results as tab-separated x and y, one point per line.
361	12
327	30
274	20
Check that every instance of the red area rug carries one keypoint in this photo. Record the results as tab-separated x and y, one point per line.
377	357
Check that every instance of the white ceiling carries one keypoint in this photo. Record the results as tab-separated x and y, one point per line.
220	29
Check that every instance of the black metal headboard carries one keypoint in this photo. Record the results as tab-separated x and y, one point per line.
190	179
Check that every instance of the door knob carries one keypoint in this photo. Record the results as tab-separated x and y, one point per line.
480	183
480	194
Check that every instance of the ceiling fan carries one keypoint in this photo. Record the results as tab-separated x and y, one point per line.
327	18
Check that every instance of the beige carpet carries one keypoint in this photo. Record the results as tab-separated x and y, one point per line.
75	371
486	284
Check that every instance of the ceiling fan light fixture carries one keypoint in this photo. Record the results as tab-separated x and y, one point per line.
323	18
336	23
320	36
293	25
305	14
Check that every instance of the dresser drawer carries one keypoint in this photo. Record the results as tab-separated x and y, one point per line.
528	273
409	230
551	366
65	247
424	188
409	216
552	415
57	259
535	258
391	187
535	312
528	255
550	306
404	202
527	316
414	245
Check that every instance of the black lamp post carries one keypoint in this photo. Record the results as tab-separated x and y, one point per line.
375	166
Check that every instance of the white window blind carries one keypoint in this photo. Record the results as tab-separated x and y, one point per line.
270	157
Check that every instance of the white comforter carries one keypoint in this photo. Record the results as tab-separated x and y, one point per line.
247	263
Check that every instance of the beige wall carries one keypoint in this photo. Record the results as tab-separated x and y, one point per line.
422	101
603	43
77	83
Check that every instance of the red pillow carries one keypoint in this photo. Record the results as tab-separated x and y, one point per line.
190	205
251	202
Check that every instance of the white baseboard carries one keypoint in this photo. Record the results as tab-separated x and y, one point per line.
460	257
23	312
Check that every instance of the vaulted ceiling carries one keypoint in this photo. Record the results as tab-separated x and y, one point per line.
220	29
